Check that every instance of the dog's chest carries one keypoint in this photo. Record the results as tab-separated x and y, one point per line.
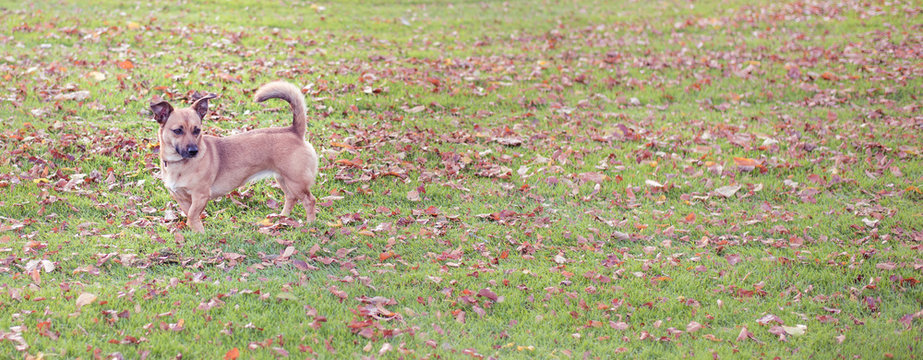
174	181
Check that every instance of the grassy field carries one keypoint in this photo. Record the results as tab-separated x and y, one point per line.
517	179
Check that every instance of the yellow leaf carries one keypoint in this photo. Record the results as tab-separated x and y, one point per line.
96	75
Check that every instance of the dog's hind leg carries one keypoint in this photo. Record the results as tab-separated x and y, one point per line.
289	204
309	204
291	196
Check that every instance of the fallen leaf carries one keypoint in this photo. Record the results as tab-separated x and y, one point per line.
743	334
416	109
490	295
693	327
559	259
620	236
76	95
732	259
769	318
795	330
385	255
780	332
746	334
886	266
746	162
727	191
85	299
509	141
594	177
96	75
618	325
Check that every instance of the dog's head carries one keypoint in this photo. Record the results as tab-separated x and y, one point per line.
180	130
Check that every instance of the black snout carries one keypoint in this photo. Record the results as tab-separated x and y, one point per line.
192	150
189	152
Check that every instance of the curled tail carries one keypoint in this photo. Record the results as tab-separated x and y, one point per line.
288	92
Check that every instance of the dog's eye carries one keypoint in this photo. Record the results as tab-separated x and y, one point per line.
196	131
178	131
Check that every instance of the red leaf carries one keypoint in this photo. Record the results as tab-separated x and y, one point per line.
693	327
744	334
769	318
618	325
489	294
301	265
232	354
732	259
385	255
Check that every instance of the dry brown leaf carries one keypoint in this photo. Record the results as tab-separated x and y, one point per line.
85	299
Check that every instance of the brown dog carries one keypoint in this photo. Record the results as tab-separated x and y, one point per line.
198	167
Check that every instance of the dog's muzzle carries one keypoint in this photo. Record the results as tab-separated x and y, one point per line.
189	152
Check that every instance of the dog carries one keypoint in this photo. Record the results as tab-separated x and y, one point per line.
198	167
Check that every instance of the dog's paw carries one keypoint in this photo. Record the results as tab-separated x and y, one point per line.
196	227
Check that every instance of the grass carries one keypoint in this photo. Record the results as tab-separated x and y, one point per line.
588	257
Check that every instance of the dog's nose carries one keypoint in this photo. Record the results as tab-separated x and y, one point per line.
193	150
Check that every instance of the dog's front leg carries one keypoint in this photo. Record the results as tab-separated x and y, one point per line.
194	216
182	200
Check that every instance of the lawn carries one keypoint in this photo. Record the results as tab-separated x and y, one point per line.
515	179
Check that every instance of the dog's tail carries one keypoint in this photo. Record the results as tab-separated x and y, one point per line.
292	94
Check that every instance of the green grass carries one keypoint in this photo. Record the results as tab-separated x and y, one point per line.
826	235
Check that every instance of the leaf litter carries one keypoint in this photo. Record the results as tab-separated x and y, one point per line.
637	168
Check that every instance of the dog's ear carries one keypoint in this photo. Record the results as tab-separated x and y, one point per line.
162	111
201	105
